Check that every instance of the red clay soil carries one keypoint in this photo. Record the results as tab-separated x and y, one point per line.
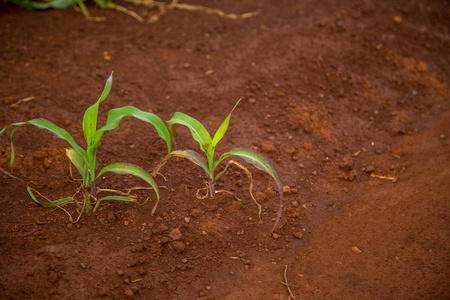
350	99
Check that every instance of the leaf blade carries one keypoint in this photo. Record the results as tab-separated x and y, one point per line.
117	114
198	131
124	168
91	114
223	127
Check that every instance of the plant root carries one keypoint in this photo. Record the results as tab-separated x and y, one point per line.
285	283
163	8
249	176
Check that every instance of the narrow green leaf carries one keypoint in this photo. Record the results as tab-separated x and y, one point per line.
51	203
90	116
193	157
120	198
124	168
262	163
57	4
78	161
116	115
199	133
223	127
57	131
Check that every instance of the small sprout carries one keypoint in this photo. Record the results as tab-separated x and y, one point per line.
208	146
85	160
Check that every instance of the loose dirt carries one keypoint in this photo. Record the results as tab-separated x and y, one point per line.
350	99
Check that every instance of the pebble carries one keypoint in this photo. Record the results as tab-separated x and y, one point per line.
442	136
298	235
126	223
267	146
196	212
356	249
369	169
119	272
260	196
129	293
286	189
203	233
275	236
175	234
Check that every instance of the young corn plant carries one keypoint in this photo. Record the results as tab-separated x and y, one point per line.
85	160
209	165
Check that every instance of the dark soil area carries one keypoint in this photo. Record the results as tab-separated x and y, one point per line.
350	99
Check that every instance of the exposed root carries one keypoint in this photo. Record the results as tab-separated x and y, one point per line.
163	8
249	176
287	284
81	8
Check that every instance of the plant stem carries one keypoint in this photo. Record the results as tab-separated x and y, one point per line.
87	199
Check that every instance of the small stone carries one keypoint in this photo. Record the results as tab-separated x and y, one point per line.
346	163
207	288
307	146
129	293
267	146
356	250
260	197
47	163
83	266
196	212
442	136
186	66
175	234
369	169
102	292
275	236
294	191
298	235
252	100
142	271
187	219
126	223
397	19
314	173
40	155
204	233
286	190
119	272
352	175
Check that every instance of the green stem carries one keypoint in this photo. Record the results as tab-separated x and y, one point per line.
87	200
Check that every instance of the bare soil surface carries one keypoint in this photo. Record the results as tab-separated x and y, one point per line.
350	99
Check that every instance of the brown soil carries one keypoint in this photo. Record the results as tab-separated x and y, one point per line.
349	98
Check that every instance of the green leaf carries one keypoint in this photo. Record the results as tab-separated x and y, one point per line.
57	4
51	203
199	133
90	116
120	198
262	163
193	157
45	124
78	161
116	115
123	168
223	127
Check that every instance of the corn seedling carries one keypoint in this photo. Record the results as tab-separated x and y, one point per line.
209	165
85	160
